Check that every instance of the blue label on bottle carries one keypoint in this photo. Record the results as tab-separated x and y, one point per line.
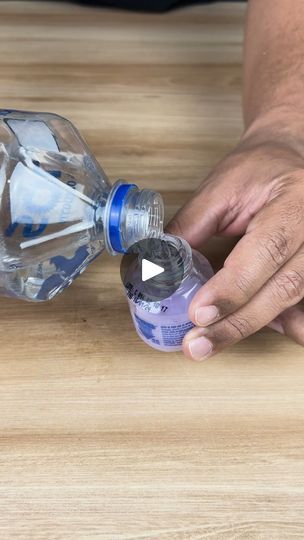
174	334
5	112
30	230
66	268
146	329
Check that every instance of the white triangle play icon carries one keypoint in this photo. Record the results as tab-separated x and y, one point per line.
150	270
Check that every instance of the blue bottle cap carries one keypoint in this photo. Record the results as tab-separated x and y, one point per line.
117	205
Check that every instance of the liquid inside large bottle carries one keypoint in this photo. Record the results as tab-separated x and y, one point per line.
58	210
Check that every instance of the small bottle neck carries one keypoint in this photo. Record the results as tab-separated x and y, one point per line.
174	254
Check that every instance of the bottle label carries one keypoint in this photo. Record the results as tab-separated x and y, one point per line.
163	323
38	201
39	198
165	331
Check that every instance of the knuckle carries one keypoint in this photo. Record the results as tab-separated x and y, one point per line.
243	286
289	286
239	327
237	295
275	248
236	287
295	212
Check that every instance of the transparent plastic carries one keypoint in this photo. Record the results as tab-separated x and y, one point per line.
163	324
56	206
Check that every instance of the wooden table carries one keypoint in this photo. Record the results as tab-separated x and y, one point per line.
100	436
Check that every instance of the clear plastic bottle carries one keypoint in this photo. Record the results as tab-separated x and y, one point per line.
58	210
163	324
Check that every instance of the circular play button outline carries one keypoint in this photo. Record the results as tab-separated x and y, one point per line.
153	269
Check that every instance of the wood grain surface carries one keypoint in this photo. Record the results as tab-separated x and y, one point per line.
101	437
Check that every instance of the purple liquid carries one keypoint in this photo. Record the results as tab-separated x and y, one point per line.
163	324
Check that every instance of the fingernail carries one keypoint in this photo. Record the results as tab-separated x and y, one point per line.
200	348
206	315
277	326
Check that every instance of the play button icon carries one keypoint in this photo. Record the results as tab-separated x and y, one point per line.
153	269
150	270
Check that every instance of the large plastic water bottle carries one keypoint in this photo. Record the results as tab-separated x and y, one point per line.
58	209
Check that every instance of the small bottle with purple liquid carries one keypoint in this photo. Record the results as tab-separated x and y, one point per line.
159	307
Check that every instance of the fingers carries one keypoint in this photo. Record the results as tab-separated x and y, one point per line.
199	218
283	290
291	324
274	237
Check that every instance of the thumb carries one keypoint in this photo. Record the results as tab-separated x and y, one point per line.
199	218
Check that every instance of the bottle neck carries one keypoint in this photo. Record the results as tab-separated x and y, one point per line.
131	215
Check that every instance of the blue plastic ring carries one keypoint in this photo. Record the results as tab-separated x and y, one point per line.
115	215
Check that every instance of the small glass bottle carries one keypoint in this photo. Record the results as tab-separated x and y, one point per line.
162	324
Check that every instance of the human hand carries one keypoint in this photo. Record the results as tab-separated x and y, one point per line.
257	191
